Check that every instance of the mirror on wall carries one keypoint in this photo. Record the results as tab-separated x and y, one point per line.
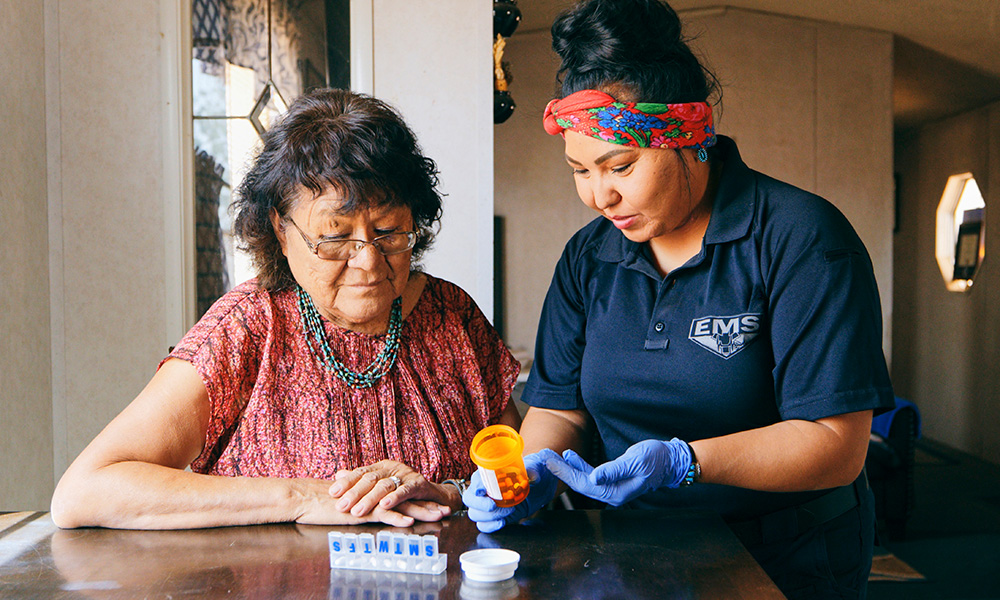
250	58
960	244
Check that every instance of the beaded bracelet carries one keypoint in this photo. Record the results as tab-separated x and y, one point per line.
694	469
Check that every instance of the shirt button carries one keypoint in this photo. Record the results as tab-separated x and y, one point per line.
658	327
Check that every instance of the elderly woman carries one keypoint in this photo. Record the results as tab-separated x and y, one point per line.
342	385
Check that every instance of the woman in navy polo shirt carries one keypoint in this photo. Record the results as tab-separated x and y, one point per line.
715	331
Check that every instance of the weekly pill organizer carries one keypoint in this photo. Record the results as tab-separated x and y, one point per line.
402	553
386	551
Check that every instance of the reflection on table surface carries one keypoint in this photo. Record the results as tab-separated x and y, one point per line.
564	554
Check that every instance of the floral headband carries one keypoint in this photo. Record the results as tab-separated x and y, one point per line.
638	124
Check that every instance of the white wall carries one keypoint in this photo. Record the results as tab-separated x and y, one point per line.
808	102
105	173
25	384
946	342
433	61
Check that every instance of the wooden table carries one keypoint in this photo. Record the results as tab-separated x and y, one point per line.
564	555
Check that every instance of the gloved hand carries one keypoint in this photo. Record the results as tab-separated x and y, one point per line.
645	466
489	517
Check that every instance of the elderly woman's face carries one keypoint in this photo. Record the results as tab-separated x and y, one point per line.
355	293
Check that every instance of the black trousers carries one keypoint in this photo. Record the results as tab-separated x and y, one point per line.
829	560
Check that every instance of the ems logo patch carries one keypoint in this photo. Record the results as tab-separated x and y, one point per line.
725	336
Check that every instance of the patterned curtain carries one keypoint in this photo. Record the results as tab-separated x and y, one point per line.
210	253
208	22
236	31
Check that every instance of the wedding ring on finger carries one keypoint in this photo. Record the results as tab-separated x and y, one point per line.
396	481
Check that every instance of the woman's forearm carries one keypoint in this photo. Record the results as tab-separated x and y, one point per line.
136	495
788	456
555	429
132	475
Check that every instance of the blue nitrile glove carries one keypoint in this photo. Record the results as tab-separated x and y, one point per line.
645	466
489	517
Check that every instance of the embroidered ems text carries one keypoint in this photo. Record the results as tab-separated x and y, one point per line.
725	336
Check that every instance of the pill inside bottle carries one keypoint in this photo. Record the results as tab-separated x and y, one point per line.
497	451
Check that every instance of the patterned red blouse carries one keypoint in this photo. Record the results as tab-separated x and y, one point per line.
277	412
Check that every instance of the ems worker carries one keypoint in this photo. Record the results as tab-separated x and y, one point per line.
718	331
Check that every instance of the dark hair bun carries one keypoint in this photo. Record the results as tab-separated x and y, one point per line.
628	48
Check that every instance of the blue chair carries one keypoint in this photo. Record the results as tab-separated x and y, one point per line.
890	464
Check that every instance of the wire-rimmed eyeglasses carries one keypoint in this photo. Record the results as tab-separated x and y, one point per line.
392	243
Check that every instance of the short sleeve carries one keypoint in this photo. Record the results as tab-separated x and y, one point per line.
225	348
497	366
825	314
554	381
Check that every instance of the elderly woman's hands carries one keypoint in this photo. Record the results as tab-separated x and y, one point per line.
373	490
318	507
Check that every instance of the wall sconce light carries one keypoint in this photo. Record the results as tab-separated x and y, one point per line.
960	239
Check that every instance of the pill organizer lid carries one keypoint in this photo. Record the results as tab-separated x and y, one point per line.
489	564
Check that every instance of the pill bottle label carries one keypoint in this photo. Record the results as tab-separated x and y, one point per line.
507	487
489	477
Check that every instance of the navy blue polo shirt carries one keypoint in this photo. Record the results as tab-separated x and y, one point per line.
776	318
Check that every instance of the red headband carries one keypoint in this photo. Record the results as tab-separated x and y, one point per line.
639	124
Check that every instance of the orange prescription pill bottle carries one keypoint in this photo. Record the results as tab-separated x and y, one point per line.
497	451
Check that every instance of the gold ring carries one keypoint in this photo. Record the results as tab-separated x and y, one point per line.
396	481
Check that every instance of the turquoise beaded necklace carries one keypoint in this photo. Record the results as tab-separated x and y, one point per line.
312	327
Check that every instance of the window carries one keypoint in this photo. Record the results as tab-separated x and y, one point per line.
960	244
250	58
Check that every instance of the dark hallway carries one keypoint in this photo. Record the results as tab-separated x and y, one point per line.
953	535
